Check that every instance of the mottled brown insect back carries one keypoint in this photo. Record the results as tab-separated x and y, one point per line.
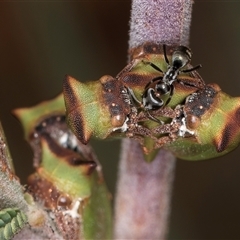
46	189
229	136
74	110
116	98
197	104
160	100
67	177
45	192
96	108
212	118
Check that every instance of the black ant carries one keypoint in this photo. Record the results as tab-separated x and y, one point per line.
159	91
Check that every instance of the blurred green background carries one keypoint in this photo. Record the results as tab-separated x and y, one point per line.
41	41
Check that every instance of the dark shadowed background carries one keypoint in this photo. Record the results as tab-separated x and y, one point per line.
41	41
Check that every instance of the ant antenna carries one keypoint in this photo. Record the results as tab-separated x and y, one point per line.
153	66
165	54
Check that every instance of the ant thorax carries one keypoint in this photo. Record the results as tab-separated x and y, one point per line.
171	75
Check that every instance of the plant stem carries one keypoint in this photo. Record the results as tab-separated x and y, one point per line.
160	21
11	191
143	200
144	189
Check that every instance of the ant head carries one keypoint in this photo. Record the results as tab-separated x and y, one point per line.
181	57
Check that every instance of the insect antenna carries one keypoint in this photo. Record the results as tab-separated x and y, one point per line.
165	54
153	66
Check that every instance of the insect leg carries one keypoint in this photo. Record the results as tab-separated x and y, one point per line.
129	67
132	95
153	80
154	118
161	112
165	54
170	95
192	69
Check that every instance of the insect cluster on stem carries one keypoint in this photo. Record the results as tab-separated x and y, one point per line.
67	178
160	100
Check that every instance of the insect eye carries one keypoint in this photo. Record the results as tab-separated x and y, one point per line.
64	201
118	120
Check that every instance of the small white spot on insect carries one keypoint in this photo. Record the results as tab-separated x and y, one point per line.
35	135
183	129
118	117
63	139
191	98
63	201
72	141
44	124
74	211
123	128
51	215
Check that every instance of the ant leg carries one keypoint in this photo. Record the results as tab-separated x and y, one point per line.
134	98
170	95
154	118
199	79
153	80
129	67
156	78
153	66
165	54
166	111
192	69
190	85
